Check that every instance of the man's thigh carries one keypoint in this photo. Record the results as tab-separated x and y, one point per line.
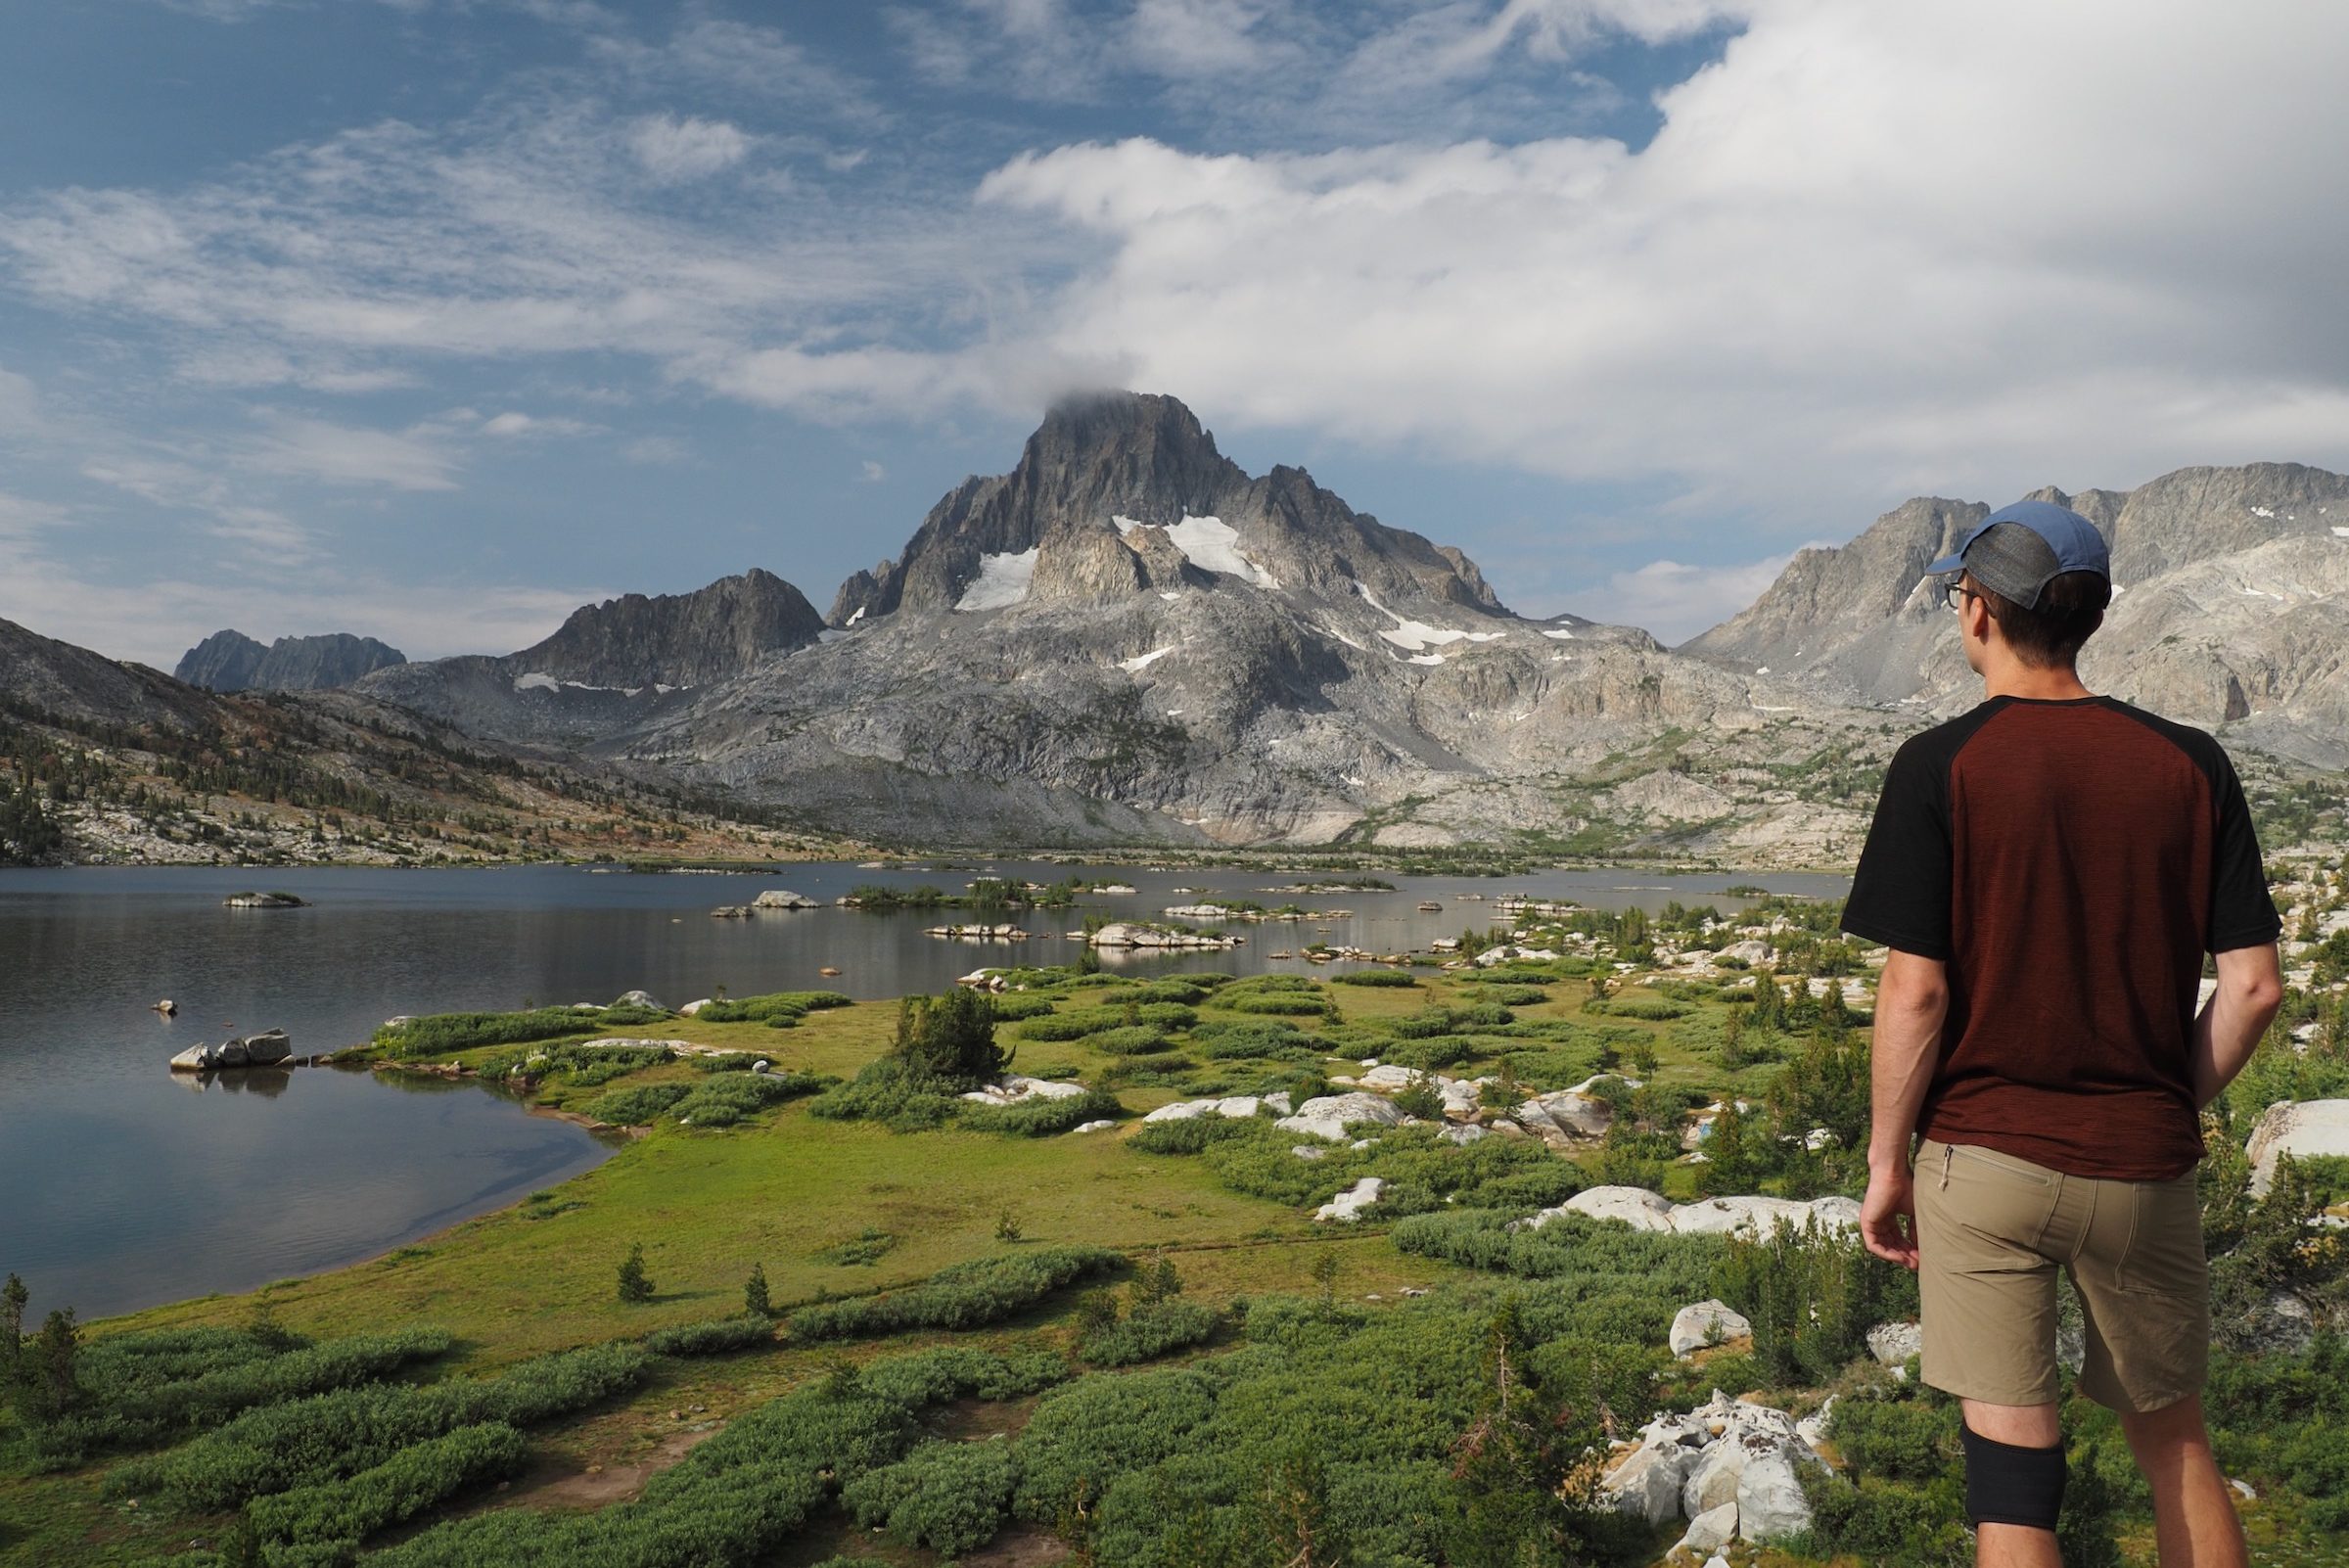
1988	1292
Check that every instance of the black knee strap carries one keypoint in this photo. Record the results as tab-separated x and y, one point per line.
2010	1485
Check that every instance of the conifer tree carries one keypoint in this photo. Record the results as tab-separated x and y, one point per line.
635	1285
753	1293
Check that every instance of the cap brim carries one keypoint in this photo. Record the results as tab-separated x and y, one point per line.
1948	563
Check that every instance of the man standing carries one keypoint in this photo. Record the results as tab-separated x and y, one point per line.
2048	869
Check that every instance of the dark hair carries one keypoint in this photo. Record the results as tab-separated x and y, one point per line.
2049	634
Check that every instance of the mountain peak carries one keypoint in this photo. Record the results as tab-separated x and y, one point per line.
682	640
1120	492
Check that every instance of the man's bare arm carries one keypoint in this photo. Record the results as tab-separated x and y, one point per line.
2250	990
1911	999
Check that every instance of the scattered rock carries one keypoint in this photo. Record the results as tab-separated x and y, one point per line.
1093	1126
639	998
168	1007
782	898
1348	1206
1894	1344
269	1049
264	900
1708	1322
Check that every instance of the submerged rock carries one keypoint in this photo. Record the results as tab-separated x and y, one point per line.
264	900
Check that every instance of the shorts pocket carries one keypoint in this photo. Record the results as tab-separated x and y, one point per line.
2163	1256
1992	1197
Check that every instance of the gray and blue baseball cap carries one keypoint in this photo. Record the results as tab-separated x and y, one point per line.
2016	549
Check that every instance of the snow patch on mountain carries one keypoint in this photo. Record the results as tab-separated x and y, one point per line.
1003	581
1418	636
1210	544
1141	662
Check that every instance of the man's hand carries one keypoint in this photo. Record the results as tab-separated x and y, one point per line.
1891	1198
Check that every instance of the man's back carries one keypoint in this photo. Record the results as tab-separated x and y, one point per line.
2071	861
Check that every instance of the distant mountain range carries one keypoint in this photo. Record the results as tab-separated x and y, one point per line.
1126	638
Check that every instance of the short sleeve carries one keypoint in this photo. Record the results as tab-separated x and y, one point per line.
2242	913
1901	893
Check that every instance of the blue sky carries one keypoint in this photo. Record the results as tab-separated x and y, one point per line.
432	320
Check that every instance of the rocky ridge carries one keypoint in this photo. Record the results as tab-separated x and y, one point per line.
2232	609
230	661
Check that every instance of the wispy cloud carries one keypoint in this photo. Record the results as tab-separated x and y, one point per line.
342	454
673	149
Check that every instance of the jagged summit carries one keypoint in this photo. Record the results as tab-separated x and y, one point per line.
230	661
679	639
1121	494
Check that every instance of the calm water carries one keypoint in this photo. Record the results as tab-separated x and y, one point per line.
127	1184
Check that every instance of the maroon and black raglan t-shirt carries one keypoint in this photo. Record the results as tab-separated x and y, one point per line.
2071	861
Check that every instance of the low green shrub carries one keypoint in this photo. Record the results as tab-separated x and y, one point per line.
277	1446
332	1517
791	1004
436	1034
1131	1039
128	1408
716	1336
635	1106
724	1101
964	1295
1148	1332
1377	978
882	1092
1011	1006
949	1497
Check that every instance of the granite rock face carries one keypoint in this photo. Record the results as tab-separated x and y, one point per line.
2231	610
681	639
230	661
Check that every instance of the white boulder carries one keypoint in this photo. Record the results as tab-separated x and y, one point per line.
1708	1322
782	898
1348	1206
639	998
1709	1531
2299	1129
1894	1343
1771	1505
1093	1126
1328	1116
1015	1089
693	1008
1648	1482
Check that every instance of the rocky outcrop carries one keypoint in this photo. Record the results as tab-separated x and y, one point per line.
685	639
1733	1469
1706	1323
230	661
2232	608
2297	1128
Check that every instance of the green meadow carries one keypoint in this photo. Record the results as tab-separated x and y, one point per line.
986	1337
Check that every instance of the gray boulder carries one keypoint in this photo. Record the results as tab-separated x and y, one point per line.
195	1059
268	1048
1708	1322
782	898
639	998
1710	1530
1646	1482
1894	1344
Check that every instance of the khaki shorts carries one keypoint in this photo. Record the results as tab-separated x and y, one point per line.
1992	1231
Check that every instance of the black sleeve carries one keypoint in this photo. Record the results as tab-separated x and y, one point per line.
1901	893
2241	914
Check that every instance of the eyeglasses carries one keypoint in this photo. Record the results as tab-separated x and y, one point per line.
1953	591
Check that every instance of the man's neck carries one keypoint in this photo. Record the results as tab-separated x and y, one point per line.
2014	679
